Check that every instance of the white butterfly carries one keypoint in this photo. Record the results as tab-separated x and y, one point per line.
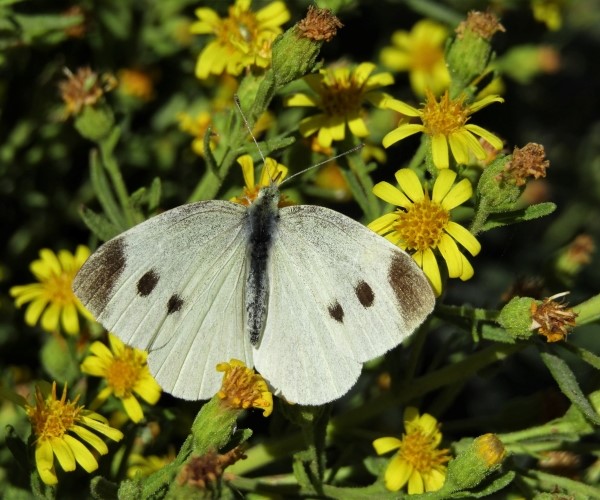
302	293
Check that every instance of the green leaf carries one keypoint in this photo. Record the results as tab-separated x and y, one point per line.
496	334
525	214
494	486
154	194
98	224
17	447
567	382
104	192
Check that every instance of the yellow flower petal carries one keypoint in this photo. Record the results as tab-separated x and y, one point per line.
362	72
34	311
494	140
149	390
415	483
70	320
133	409
245	161
459	145
397	473
386	444
82	455
439	151
310	125
463	237
358	127
482	103
459	193
301	100
63	453
467	271
273	15
99	426
451	255
434	480
391	194
443	184
432	271
44	461
401	107
50	317
379	80
382	224
402	132
91	438
410	184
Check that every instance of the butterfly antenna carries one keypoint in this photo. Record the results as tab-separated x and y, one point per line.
349	151
236	99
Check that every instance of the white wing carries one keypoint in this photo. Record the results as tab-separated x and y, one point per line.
174	285
339	295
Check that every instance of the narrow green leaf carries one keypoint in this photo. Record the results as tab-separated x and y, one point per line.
526	214
154	194
585	355
17	447
98	224
104	193
567	382
494	486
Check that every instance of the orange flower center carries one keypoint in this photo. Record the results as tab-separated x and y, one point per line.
239	30
52	418
124	373
58	289
444	117
420	451
341	94
242	388
422	225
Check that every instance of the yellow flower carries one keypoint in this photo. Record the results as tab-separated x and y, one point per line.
417	462
52	298
136	83
243	38
242	388
126	372
197	126
549	12
341	93
423	224
56	424
141	466
445	122
271	172
421	53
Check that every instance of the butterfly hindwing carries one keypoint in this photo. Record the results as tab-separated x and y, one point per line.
353	296
174	286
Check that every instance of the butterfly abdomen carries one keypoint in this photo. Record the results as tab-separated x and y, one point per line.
263	216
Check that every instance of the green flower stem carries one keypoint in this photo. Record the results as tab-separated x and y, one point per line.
420	155
588	311
266	453
553	428
481	215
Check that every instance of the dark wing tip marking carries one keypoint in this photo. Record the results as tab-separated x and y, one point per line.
147	283
364	293
413	292
97	278
336	312
174	304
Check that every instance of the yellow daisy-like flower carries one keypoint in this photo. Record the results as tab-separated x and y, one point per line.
340	95
242	388
421	53
422	224
197	126
417	462
56	424
243	38
445	122
272	172
52	298
126	373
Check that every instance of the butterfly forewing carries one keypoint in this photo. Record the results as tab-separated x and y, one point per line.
174	286
340	295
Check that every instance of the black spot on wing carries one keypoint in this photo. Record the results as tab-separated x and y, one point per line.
336	312
411	288
175	304
147	283
364	293
96	280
